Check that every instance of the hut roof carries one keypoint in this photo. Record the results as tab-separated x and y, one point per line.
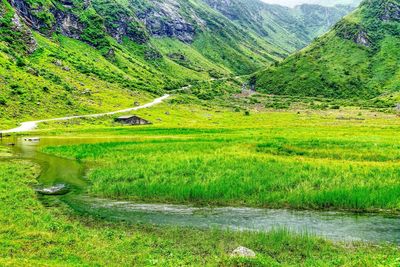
127	117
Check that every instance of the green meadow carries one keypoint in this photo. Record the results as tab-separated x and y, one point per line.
199	155
302	160
32	234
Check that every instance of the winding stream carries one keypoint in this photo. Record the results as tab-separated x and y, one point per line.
338	226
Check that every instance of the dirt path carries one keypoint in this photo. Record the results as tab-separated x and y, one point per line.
31	125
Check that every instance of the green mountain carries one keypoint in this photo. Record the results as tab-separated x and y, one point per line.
69	56
287	28
358	58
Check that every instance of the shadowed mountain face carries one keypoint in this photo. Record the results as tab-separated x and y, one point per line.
358	58
114	46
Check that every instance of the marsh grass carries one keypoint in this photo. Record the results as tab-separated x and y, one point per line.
34	235
4	152
297	166
332	149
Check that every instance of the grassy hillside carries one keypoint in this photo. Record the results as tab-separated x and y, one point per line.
359	58
71	57
43	76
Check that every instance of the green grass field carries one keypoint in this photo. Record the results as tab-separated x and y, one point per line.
315	160
34	235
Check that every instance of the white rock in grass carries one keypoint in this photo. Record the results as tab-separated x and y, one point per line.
243	252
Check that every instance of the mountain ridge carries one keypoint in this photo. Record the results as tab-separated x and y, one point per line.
358	58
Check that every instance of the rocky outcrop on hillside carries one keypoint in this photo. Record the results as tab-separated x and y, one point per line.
68	24
26	34
73	20
361	38
14	32
378	18
353	32
27	13
120	22
54	19
165	20
391	12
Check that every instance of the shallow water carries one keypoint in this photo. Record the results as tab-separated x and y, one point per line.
338	226
331	225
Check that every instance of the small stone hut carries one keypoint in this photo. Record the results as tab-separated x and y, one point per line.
132	120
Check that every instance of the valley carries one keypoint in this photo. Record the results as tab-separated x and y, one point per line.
276	160
199	133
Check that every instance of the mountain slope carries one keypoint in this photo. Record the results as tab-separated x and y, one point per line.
63	57
359	58
287	28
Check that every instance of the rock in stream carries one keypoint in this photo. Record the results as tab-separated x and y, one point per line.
56	190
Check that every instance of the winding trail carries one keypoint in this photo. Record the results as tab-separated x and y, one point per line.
31	125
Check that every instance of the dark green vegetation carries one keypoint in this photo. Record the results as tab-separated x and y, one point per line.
34	235
359	58
71	57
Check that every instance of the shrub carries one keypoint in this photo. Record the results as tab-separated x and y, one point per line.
20	62
17	90
3	101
